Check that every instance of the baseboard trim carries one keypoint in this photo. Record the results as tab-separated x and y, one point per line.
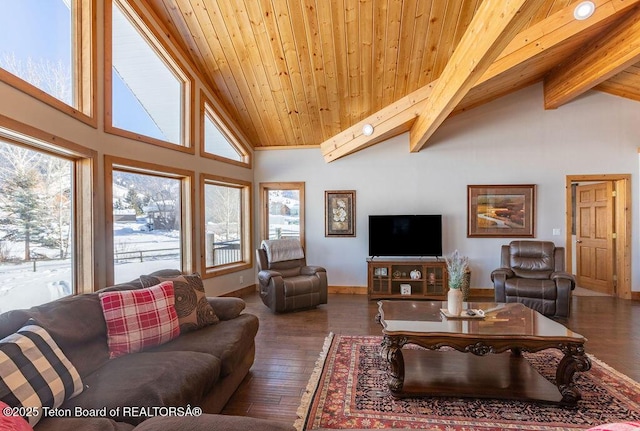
362	290
351	290
244	291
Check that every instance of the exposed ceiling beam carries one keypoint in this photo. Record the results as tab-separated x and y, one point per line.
390	121
494	25
624	84
398	117
617	50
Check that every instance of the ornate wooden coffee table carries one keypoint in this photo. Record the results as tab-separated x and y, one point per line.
504	332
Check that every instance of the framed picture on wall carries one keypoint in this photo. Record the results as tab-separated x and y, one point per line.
340	213
501	211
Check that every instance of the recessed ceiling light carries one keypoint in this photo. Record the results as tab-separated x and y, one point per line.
367	130
584	10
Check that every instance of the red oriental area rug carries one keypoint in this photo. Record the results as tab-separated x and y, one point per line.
348	390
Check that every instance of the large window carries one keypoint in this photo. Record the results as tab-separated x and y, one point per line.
46	46
282	210
148	91
218	142
150	218
227	218
44	202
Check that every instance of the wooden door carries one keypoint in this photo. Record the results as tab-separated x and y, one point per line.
594	237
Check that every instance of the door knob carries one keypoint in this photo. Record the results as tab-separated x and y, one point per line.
579	241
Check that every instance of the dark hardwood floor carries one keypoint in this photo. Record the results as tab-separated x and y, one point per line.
288	345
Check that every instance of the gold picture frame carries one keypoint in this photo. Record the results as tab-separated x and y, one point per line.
340	213
501	211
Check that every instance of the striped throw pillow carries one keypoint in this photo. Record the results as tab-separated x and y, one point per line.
34	372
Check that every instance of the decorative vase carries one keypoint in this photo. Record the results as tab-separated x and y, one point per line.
454	302
415	274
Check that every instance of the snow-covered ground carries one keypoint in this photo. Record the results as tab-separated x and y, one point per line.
22	287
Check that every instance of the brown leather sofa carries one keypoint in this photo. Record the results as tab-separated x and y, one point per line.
200	368
289	285
533	273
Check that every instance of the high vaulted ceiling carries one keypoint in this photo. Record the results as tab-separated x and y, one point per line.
313	72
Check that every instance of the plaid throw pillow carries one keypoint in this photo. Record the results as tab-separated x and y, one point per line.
34	373
194	311
138	319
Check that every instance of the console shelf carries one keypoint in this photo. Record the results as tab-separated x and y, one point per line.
391	278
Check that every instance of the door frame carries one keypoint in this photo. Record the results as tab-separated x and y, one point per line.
621	226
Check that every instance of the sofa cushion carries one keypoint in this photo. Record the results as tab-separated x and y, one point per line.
227	307
34	372
138	319
229	340
148	379
209	422
81	424
75	323
532	259
191	304
531	288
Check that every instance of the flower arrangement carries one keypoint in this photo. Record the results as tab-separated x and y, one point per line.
457	266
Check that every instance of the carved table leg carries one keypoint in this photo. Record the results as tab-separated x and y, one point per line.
574	360
392	352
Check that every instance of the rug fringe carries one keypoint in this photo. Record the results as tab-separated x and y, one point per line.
314	381
620	375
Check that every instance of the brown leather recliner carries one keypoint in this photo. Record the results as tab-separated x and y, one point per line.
533	273
288	285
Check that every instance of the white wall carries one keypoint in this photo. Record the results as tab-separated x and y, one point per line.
512	140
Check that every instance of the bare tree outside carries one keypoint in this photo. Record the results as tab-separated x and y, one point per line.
223	224
52	77
146	227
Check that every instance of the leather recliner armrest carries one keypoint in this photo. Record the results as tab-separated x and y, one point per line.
272	289
311	270
265	276
501	273
499	277
565	283
562	275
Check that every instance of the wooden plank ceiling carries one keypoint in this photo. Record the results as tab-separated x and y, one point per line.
312	72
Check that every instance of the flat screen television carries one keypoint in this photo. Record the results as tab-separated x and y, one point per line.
405	235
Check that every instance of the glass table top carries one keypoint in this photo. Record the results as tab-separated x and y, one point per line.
424	318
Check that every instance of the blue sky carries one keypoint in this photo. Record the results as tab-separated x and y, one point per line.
48	34
41	30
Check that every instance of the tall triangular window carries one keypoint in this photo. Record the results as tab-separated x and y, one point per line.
148	89
218	141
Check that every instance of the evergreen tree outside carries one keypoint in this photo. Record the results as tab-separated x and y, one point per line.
132	200
35	200
24	213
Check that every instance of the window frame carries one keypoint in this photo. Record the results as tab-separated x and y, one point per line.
168	56
264	205
246	221
186	177
84	61
83	175
208	108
